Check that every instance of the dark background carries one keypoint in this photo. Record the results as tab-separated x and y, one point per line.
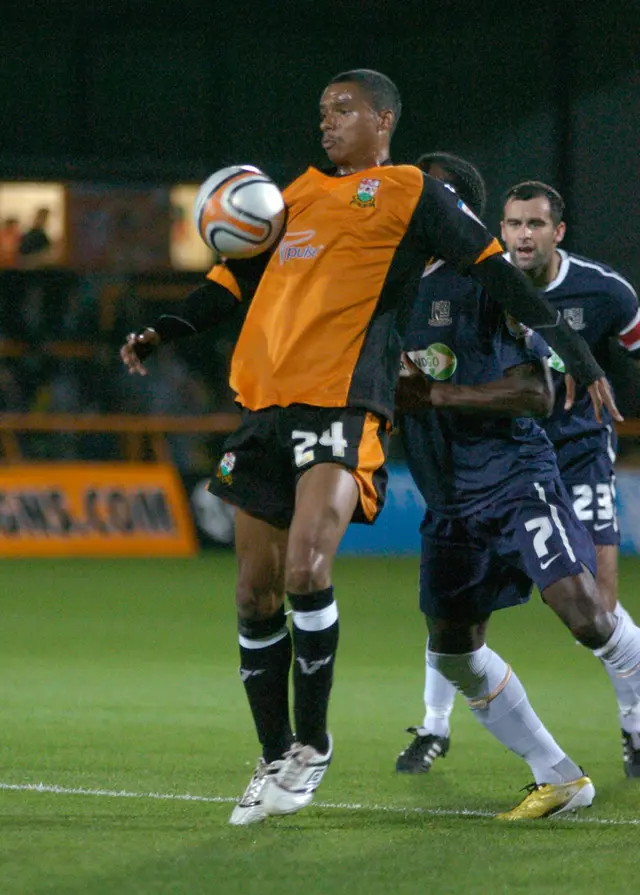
146	93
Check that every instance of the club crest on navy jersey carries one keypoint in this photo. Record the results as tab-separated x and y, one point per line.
574	317
440	313
365	196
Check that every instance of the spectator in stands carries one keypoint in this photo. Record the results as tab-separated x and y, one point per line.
36	247
10	237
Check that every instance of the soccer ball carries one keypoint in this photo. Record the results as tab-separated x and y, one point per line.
239	212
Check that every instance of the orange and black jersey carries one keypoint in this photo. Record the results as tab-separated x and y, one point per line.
325	323
328	305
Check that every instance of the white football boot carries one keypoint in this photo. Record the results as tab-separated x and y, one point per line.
250	808
293	786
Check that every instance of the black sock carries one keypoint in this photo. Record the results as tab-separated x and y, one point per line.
315	641
265	661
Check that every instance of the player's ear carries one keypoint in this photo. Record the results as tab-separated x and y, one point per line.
385	121
561	229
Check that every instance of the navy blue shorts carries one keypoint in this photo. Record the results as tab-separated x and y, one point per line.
586	469
265	456
471	566
594	502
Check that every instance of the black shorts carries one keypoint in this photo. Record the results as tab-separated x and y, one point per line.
272	448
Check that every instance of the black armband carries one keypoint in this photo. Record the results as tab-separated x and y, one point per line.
511	288
203	308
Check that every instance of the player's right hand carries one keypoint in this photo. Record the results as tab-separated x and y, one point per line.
601	395
137	348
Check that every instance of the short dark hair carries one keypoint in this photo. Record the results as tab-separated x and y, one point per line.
534	189
464	177
380	89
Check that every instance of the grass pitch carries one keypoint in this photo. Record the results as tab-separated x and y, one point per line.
119	698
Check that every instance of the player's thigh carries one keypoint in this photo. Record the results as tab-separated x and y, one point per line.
326	497
541	536
353	438
339	455
254	473
456	595
261	553
607	573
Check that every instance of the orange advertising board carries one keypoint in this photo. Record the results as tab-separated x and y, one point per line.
94	509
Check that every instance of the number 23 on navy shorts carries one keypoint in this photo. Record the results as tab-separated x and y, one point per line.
264	458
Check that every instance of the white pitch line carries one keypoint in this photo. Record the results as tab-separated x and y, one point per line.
339	806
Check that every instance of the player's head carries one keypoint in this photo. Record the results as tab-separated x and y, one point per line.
359	111
532	226
466	180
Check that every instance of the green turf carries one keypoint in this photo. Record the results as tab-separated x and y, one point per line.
122	676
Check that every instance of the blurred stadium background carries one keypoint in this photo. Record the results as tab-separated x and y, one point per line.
112	114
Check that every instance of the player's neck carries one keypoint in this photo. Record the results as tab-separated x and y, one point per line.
372	161
543	276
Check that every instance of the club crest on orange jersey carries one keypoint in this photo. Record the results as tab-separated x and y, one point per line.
365	196
225	467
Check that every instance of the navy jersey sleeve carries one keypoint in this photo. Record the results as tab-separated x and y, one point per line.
446	228
627	320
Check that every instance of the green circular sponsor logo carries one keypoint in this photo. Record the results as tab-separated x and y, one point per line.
441	362
556	362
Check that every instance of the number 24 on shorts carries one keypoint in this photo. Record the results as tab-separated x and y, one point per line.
303	452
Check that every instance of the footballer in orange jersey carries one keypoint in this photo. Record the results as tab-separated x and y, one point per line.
314	370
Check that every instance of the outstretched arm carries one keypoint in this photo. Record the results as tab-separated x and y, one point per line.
449	230
202	309
524	390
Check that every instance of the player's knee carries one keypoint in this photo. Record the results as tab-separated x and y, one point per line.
594	632
308	570
258	597
480	674
448	637
308	573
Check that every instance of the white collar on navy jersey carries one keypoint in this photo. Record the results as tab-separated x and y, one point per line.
563	270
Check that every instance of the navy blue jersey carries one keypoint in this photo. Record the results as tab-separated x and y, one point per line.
600	305
463	462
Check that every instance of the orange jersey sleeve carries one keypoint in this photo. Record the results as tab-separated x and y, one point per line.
221	274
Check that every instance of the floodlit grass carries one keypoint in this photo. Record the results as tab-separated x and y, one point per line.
121	677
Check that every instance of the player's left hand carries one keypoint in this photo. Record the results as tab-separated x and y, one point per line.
601	394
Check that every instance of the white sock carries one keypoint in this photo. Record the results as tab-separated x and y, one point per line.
439	694
623	690
621	658
498	700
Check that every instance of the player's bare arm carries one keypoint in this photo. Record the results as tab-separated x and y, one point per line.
524	391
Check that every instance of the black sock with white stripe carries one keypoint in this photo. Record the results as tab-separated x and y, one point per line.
265	661
315	641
